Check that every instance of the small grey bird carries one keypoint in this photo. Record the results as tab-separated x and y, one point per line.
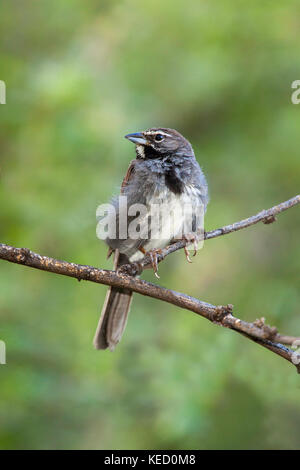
165	174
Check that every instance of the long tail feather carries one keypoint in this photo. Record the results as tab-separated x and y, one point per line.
114	313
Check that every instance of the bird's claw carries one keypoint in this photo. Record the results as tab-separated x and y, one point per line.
196	241
191	238
153	257
186	251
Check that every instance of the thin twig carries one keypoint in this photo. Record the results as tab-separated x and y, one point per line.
266	336
266	216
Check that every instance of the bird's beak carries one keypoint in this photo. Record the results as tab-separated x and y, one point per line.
137	138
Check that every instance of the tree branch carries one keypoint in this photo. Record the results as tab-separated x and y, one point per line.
266	216
257	331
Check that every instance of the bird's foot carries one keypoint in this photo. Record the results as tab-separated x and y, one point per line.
190	238
154	262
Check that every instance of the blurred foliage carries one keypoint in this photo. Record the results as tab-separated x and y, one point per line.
79	76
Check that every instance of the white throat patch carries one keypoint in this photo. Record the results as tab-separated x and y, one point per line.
140	151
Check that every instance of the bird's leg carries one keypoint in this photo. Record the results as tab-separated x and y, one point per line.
153	257
186	252
190	238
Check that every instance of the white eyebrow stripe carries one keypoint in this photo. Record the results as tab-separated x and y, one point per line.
157	132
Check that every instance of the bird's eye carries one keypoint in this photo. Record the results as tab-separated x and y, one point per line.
159	137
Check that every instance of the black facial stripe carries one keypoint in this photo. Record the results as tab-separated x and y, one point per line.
151	153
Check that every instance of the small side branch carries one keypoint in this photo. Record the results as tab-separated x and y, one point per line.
266	216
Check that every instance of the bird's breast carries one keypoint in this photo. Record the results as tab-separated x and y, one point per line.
169	216
170	211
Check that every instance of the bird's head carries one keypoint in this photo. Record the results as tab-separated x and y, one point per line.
159	143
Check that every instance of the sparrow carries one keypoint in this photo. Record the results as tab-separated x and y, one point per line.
165	174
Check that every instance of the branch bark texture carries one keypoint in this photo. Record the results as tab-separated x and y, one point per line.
258	331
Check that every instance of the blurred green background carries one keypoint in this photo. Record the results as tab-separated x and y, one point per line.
79	76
